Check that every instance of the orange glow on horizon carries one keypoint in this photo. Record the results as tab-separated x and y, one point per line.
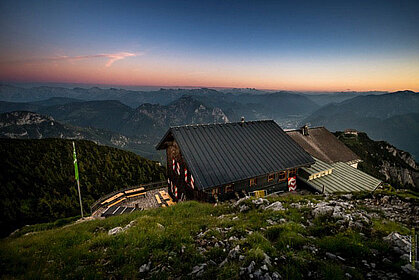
149	73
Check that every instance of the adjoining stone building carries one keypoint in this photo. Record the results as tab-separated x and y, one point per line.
323	145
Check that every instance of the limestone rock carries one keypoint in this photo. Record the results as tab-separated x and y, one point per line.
276	206
115	230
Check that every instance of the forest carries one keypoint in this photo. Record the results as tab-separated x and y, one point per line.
38	183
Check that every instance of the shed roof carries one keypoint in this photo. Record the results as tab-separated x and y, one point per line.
317	167
218	154
322	144
344	178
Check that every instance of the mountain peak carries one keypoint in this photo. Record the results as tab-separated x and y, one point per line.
406	91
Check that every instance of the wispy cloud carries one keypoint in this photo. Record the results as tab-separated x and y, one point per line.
112	58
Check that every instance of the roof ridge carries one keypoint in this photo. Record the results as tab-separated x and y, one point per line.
298	129
220	124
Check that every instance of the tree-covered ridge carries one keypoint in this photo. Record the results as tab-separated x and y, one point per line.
37	178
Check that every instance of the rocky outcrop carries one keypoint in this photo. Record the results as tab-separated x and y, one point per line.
406	175
384	161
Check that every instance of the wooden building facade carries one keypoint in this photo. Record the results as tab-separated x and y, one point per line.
220	161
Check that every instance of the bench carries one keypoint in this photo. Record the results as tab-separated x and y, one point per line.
117	202
134	190
113	198
158	199
137	194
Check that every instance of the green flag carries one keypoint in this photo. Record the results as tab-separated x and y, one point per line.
76	169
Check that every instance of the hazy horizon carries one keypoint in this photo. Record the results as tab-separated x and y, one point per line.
158	87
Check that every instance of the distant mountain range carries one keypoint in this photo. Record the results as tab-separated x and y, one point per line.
393	117
337	97
115	116
145	115
251	104
107	122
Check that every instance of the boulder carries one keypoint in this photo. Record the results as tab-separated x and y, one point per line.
276	276
234	252
264	267
198	268
240	201
413	272
251	267
322	209
276	206
400	242
266	259
145	267
129	225
331	256
244	208
260	201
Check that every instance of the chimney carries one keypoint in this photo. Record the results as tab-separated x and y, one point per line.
242	119
304	130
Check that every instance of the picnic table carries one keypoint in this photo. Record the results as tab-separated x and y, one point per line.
170	202
165	195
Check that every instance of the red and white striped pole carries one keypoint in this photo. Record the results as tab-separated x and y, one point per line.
173	163
178	168
175	191
186	175
192	182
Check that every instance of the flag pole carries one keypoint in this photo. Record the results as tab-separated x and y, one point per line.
76	172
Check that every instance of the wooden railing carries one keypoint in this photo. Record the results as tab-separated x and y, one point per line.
147	187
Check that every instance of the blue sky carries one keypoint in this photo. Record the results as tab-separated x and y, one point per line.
315	45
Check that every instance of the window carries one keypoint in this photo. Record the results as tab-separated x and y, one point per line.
253	182
214	191
228	188
282	176
292	172
271	177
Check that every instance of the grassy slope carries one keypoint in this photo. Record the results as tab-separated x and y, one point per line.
85	250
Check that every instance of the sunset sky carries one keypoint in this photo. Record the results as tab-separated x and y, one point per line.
291	45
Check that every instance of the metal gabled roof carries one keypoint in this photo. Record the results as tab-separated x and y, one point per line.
344	178
218	154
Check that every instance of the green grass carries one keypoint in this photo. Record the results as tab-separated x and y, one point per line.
45	226
348	245
86	248
385	227
86	251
